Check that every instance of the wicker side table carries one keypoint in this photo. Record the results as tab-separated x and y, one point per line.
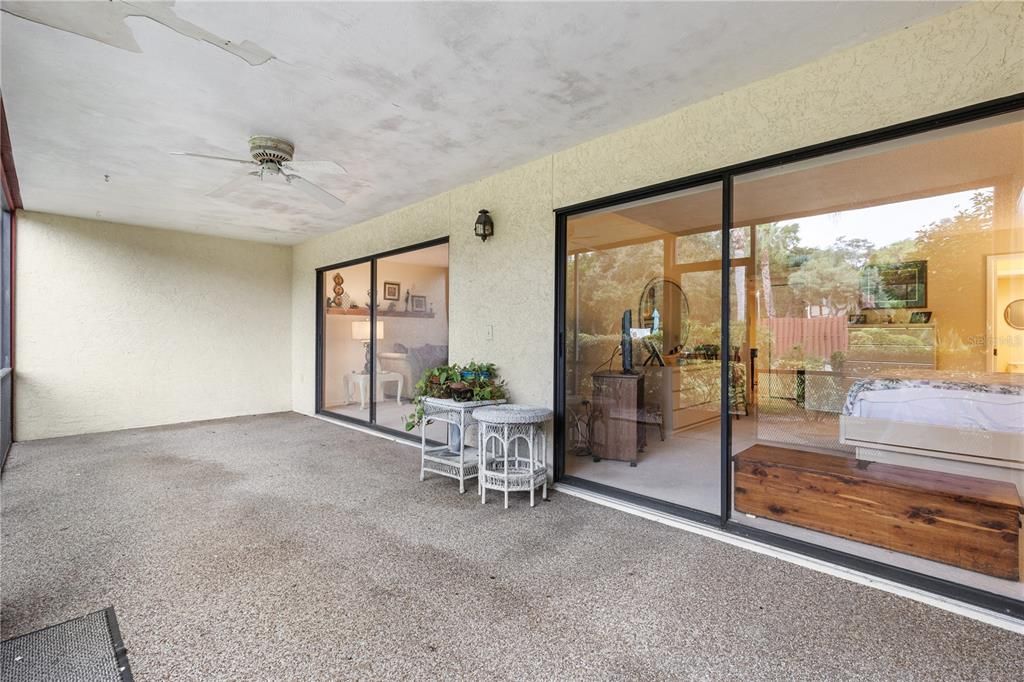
504	432
451	460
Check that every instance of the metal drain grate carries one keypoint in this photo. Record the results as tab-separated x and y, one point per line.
86	649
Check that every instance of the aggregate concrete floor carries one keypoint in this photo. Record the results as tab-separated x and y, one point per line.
282	547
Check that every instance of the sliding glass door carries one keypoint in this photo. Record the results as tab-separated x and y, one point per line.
383	322
643	357
825	354
345	388
412	329
890	369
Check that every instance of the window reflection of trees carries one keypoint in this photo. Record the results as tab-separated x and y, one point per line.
799	281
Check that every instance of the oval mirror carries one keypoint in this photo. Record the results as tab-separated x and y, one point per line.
658	295
1014	314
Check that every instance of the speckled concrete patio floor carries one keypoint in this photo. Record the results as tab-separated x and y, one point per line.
282	547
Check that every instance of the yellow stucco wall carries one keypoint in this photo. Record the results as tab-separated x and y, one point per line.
119	326
970	55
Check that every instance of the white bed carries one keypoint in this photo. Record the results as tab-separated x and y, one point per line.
971	425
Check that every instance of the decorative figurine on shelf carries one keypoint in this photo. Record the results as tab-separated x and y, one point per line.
338	289
407	300
391	306
329	301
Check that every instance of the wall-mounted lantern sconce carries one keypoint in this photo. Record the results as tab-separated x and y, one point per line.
484	227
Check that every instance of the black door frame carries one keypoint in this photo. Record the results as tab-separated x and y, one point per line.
725	176
321	313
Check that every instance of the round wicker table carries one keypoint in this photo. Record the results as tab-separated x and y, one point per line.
512	449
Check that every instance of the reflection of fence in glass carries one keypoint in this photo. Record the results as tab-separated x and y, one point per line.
814	337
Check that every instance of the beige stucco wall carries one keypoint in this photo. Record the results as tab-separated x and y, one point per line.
970	55
120	326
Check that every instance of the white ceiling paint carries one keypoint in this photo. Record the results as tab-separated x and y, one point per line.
411	98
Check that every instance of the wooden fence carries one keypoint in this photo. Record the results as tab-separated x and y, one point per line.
819	337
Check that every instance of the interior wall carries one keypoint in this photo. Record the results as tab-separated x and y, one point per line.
344	354
120	326
502	291
1009	341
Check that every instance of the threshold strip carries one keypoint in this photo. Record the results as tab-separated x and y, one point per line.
368	431
945	603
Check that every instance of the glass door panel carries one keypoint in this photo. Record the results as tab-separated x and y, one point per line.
412	330
346	366
643	292
887	395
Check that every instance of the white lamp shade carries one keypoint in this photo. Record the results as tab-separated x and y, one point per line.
361	330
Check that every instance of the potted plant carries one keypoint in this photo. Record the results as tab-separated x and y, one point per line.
474	382
434	383
480	371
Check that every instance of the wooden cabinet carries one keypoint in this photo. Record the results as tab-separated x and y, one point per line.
874	348
689	394
619	404
963	521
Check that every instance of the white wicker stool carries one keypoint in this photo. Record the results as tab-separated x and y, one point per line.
504	432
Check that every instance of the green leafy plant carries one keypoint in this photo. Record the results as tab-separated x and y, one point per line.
447	381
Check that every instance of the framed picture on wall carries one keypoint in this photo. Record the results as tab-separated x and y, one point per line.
921	317
392	291
895	285
419	304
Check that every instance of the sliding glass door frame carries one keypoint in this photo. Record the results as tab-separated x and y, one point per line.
725	176
372	259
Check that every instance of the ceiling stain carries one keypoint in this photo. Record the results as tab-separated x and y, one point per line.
105	22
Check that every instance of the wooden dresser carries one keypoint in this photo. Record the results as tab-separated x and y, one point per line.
619	404
874	348
689	394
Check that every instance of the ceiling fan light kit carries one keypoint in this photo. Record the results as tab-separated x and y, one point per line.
274	156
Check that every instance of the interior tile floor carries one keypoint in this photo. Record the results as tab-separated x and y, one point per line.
284	547
390	413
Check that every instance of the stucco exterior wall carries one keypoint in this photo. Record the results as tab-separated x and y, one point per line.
970	55
119	326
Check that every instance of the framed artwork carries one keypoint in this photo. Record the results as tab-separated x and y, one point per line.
896	285
921	317
857	319
392	291
419	304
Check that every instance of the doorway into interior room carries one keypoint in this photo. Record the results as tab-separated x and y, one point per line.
1006	313
382	321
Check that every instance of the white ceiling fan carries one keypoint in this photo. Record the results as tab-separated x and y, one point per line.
272	157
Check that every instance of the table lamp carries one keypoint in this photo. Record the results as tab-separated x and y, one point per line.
361	333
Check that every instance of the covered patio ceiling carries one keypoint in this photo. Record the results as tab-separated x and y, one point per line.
411	99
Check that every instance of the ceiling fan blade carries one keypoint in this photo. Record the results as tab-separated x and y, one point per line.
215	158
315	166
237	183
321	195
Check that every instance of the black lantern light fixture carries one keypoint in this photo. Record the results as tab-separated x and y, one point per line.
484	226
